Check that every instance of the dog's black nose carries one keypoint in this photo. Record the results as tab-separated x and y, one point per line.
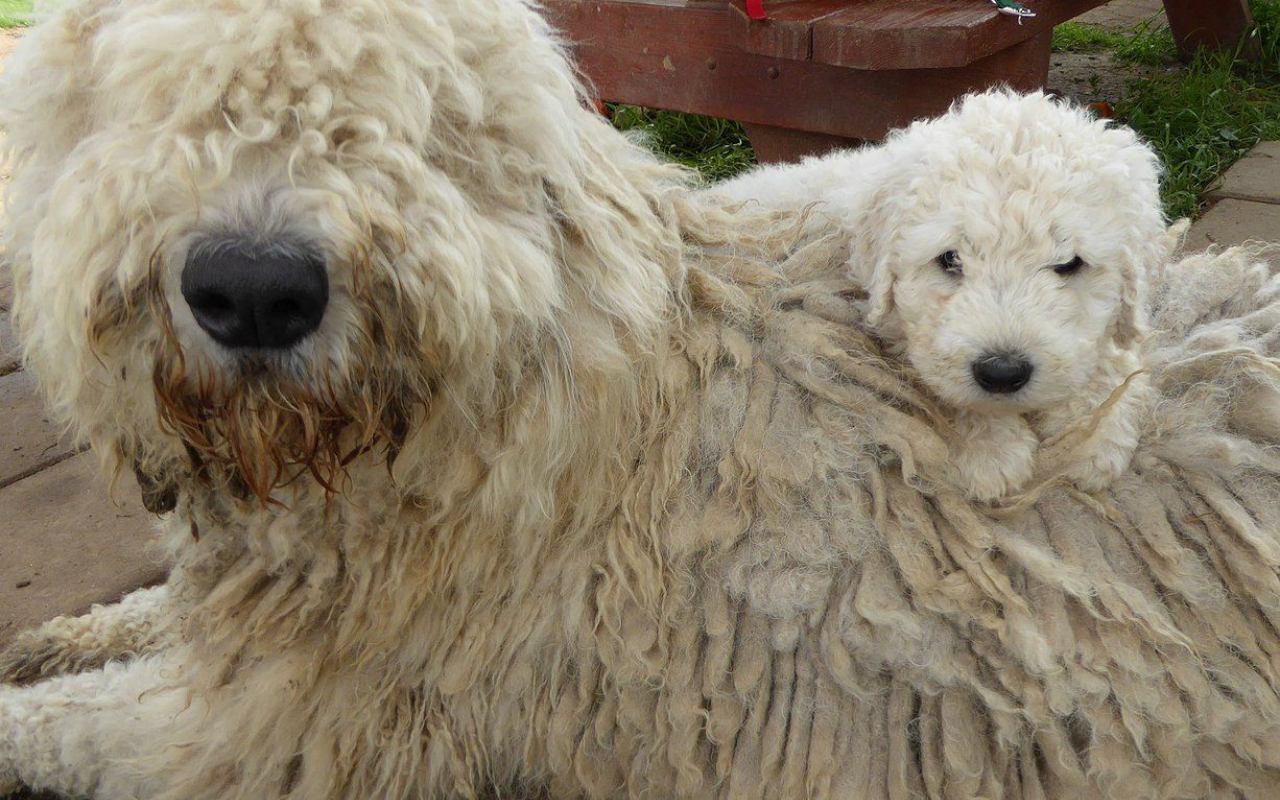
1002	373
268	299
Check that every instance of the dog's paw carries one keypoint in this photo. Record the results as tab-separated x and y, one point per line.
10	786
990	480
63	645
28	659
37	654
1109	453
994	457
1097	472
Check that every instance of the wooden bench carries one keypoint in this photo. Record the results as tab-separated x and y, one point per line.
822	73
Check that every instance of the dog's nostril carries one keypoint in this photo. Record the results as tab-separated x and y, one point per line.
286	308
1002	373
212	303
244	299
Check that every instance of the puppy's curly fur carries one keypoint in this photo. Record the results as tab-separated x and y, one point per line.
968	229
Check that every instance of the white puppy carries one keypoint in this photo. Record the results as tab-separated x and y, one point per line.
1003	247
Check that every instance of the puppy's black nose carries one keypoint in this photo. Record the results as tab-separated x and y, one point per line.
242	298
1002	373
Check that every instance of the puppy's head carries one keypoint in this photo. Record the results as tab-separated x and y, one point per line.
1006	251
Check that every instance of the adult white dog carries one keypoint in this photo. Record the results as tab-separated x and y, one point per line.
1005	246
491	460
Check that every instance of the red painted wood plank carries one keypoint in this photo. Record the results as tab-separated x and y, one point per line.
930	34
691	61
864	34
784	144
788	32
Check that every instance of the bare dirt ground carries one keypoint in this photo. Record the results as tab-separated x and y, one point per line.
1093	77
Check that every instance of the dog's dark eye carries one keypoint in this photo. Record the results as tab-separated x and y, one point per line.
1070	268
950	263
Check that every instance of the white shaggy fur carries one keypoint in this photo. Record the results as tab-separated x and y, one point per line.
586	486
1013	185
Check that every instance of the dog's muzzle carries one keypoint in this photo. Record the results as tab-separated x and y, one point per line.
256	298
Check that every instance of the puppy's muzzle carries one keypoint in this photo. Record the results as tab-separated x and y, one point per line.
256	298
1002	373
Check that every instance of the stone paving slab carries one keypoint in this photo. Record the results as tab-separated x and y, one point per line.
67	546
1254	177
8	346
29	440
1233	221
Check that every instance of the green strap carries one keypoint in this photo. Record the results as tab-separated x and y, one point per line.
1013	9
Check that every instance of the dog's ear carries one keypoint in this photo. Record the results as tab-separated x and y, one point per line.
1131	324
1138	171
1137	265
871	256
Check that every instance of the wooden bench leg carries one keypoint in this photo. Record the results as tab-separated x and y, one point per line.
1216	24
783	144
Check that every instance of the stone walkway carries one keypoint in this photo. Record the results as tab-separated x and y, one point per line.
64	544
1246	202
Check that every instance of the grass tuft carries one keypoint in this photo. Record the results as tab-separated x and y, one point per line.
1204	118
1077	37
717	148
15	13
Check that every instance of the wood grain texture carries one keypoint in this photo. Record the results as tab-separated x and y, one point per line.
929	34
906	34
634	53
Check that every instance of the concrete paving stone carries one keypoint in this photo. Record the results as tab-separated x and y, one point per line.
8	346
6	288
66	545
1234	221
1254	177
29	439
8	41
1119	15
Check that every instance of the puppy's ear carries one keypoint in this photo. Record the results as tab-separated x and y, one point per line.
1136	268
871	258
1151	244
1131	324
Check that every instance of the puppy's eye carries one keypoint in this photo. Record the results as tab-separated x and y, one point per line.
1070	268
950	263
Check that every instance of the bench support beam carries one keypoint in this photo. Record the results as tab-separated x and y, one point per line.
786	144
1216	24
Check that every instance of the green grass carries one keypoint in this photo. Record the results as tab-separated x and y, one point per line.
1076	37
15	13
717	148
1200	119
1149	44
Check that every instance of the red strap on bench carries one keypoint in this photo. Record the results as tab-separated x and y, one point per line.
755	9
